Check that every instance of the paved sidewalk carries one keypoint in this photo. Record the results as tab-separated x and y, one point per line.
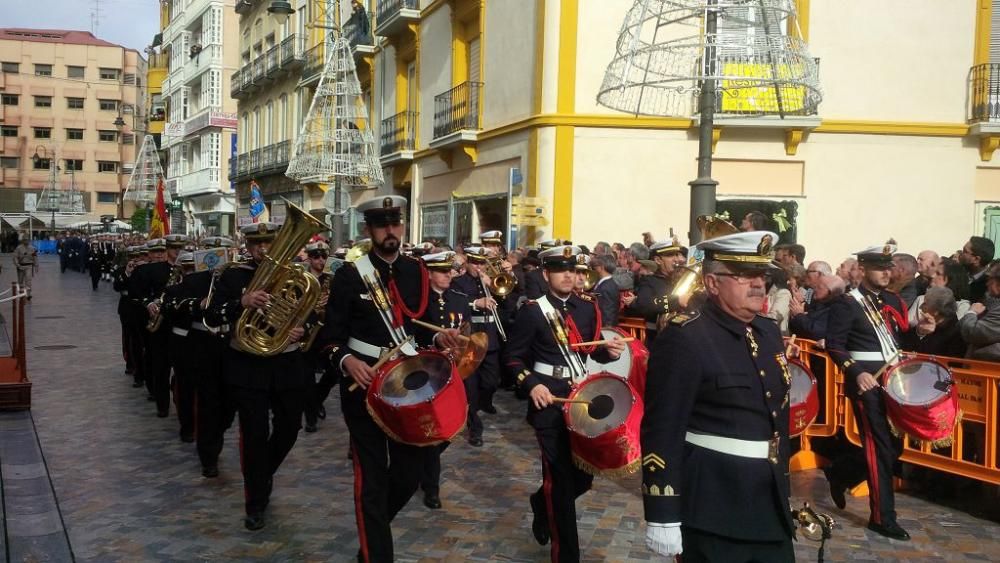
129	490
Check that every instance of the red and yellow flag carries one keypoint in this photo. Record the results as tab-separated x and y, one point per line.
159	226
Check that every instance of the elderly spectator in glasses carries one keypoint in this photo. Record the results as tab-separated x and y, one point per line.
981	326
903	277
927	263
952	275
937	331
809	320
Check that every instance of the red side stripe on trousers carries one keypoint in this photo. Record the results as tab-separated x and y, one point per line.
549	510
359	514
871	460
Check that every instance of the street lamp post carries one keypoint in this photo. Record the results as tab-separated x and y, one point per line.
120	125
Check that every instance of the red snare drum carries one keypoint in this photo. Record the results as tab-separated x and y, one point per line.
419	400
631	365
604	435
921	399
803	398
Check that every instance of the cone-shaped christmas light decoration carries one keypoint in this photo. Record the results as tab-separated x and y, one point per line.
146	175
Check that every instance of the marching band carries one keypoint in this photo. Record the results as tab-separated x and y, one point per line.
420	341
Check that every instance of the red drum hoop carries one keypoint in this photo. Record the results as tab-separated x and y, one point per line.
605	443
921	400
803	398
419	400
631	365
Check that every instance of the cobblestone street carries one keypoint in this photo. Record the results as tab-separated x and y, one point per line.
129	490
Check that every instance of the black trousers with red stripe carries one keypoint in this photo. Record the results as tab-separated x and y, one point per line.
214	413
386	474
881	450
562	484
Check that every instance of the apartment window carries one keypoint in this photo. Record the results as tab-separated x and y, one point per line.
107	197
109	74
40	163
8	162
8	131
107	136
74	164
107	166
76	72
128	138
9	99
11	67
43	132
43	101
74	134
108	105
43	70
129	79
74	103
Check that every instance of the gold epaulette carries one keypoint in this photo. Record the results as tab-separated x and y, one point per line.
681	319
586	297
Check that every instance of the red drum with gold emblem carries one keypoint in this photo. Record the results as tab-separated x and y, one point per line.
419	400
921	400
604	431
803	398
631	365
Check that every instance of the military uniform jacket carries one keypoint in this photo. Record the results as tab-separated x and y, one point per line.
448	310
532	341
351	313
848	330
281	371
120	284
146	284
648	289
473	288
711	373
180	305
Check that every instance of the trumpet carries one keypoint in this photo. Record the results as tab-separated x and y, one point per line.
320	312
156	320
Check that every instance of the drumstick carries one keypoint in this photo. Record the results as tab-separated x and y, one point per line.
561	400
436	328
601	342
791	342
385	358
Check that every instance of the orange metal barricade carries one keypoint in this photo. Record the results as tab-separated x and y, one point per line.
634	326
832	410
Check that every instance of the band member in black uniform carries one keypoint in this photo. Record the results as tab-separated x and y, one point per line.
131	351
316	255
488	314
386	472
446	308
177	310
854	345
146	287
715	431
651	291
95	264
262	388
214	413
535	285
548	369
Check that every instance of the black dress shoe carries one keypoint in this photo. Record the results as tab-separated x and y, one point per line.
837	494
321	412
310	428
476	441
890	530
539	523
254	522
488	409
432	501
210	471
187	438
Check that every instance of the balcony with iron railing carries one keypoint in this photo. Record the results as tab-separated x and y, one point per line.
984	93
398	137
200	182
314	61
208	56
271	159
457	114
285	56
393	16
358	31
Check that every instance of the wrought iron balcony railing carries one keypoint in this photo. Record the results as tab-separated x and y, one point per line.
399	133
286	55
984	93
314	61
388	9
457	109
271	159
358	30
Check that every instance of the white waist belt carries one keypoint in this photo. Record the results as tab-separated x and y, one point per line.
486	319
867	356
364	348
561	372
179	331
199	326
732	446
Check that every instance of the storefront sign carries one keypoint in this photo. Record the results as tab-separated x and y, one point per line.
434	222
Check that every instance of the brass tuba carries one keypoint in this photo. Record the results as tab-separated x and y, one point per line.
590	279
266	332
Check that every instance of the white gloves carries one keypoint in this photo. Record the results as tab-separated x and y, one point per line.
664	539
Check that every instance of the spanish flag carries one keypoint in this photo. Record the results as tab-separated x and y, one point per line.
159	226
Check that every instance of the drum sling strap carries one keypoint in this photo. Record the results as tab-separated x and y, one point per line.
886	342
383	302
559	332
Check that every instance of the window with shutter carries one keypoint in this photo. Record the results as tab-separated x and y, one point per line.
995	33
474	67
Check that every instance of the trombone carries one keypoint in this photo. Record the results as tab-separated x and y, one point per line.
492	309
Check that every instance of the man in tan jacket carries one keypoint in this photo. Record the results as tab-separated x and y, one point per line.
25	258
